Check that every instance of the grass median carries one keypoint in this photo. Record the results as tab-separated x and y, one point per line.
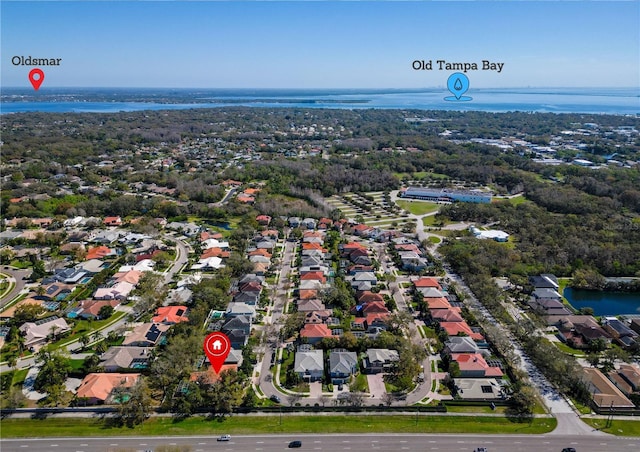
66	427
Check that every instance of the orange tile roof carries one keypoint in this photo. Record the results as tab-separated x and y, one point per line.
313	276
215	252
307	294
170	314
427	282
100	385
245	198
313	246
437	303
475	362
132	276
98	252
260	252
453	328
206	235
312	330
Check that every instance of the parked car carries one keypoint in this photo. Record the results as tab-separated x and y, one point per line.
224	438
295	444
274	398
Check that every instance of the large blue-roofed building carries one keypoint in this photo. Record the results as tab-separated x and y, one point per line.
446	195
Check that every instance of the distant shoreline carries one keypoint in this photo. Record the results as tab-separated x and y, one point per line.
613	101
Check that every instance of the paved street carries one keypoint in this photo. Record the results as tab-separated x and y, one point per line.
331	442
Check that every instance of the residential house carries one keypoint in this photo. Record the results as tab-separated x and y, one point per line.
309	365
473	365
546	293
170	315
309	223
235	309
446	315
238	329
358	279
313	276
548	306
263	220
544	281
579	330
461	328
119	291
342	364
362	230
121	358
98	388
146	335
379	360
624	335
71	275
307	294
412	262
112	221
310	305
462	344
479	389
208	263
626	378
250	298
605	395
313	334
37	333
427	282
294	222
367	296
90	309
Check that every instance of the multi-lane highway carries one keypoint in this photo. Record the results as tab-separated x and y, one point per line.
333	443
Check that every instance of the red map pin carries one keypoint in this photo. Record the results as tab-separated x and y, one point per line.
217	346
36	77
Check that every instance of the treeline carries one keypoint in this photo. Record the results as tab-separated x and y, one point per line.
547	242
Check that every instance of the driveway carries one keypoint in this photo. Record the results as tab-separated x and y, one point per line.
315	389
376	385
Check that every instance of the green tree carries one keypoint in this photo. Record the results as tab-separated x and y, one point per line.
106	311
54	369
135	403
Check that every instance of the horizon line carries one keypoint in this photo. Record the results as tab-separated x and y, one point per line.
319	89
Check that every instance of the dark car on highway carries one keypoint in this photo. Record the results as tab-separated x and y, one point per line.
295	444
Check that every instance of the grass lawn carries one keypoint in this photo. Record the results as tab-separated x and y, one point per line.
418	207
434	240
431	220
83	327
568	350
621	428
475	409
517	200
582	409
244	425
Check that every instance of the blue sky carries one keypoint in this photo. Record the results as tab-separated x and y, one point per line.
321	44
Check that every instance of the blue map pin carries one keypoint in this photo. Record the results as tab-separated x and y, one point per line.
458	84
